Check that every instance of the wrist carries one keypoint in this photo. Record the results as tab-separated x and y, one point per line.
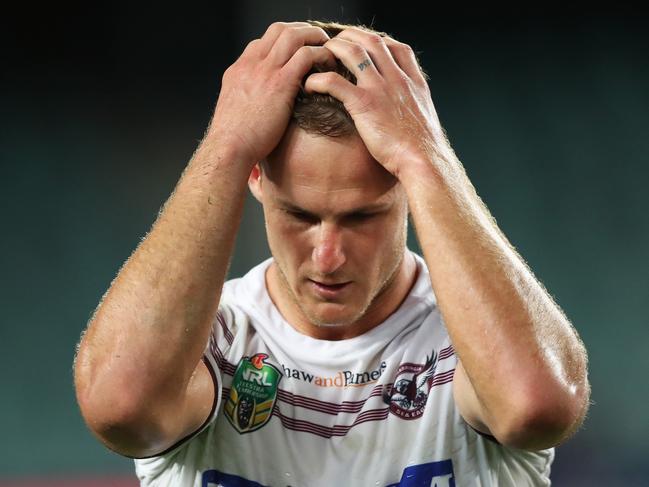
440	174
215	155
416	170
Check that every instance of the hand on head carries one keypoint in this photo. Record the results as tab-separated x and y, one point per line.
384	93
259	89
390	102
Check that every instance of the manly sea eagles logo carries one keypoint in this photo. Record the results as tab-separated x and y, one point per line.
252	394
408	394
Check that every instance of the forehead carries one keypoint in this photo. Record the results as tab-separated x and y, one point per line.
307	169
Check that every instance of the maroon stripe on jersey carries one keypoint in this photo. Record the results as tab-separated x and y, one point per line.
329	431
224	366
446	352
228	368
324	406
226	331
443	378
216	352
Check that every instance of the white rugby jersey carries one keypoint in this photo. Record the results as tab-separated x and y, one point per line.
373	410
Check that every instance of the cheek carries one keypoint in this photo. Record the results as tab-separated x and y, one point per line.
288	243
391	243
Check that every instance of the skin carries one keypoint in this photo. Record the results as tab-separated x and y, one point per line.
522	374
333	216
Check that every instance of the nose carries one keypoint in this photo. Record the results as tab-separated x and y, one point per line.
328	254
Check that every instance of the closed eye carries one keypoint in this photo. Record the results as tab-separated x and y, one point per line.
303	216
359	217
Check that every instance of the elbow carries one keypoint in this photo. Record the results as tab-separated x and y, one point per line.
544	419
121	420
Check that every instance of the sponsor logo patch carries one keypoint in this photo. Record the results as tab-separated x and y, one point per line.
253	393
408	394
433	474
343	378
214	478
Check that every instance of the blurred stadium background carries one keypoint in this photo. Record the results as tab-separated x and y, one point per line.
101	109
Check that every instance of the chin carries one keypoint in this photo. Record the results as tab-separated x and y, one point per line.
327	324
333	320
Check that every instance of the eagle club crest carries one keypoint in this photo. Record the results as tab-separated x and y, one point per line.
408	394
253	393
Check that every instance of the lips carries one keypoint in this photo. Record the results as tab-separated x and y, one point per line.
329	290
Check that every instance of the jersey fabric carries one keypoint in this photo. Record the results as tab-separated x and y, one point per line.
373	410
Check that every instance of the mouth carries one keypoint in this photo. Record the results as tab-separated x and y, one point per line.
329	290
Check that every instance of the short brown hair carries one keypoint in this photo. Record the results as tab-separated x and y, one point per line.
322	114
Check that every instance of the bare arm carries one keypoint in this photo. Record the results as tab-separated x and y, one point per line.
523	370
140	381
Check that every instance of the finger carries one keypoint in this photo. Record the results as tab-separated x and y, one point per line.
273	32
306	58
375	46
354	57
290	40
331	83
406	59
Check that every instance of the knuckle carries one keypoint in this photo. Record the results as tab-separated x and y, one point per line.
305	52
276	27
375	39
289	36
358	50
329	77
404	47
322	32
302	55
230	72
252	45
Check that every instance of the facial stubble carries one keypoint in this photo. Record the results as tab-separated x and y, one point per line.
399	248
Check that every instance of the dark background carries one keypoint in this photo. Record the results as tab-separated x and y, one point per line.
101	110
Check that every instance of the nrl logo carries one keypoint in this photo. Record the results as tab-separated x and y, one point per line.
252	394
408	394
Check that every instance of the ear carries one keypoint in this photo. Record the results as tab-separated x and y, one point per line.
254	182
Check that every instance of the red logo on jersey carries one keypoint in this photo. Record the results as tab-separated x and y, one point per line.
408	394
257	360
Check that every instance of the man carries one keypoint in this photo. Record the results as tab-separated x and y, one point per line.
334	362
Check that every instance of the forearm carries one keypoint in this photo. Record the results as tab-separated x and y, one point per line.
516	346
150	330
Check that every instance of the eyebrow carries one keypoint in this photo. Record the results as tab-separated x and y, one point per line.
372	208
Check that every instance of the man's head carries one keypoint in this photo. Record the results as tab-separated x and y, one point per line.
336	222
